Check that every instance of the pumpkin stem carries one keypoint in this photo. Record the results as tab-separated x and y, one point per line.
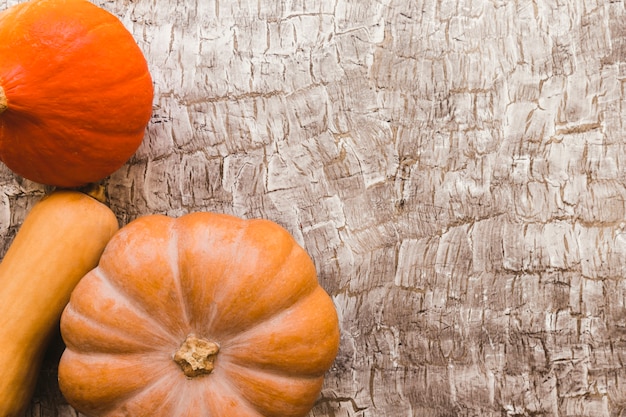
96	191
3	100
196	356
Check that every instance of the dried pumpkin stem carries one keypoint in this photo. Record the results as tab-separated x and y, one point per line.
96	191
196	356
3	100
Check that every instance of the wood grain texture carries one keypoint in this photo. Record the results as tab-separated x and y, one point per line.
454	168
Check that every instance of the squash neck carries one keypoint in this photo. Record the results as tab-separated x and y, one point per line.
3	100
196	356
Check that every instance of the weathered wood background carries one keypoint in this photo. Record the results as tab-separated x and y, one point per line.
456	169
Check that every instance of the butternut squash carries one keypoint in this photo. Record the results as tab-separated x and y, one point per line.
60	240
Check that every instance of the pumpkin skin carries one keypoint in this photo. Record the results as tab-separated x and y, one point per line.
60	240
206	315
75	92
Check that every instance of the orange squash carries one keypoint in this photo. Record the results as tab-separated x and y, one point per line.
207	315
75	92
60	240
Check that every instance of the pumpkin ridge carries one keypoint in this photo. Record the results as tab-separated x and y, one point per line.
168	319
137	307
75	314
109	408
173	257
270	372
188	396
229	360
207	328
228	384
241	375
145	390
242	340
231	342
268	289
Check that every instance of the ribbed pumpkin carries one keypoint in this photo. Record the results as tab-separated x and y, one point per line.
207	315
75	92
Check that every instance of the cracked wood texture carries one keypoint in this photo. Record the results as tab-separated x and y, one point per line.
455	168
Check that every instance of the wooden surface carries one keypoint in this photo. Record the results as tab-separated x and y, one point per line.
455	168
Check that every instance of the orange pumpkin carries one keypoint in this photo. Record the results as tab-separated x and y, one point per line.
75	92
207	315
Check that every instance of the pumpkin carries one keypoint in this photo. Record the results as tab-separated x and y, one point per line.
75	92
205	315
60	240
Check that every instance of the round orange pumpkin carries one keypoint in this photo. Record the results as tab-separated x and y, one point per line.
75	92
207	315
